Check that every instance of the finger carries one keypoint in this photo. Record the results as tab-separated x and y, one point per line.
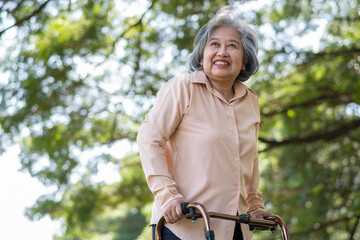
179	212
175	215
166	218
169	218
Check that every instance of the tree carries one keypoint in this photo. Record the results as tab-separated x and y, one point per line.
80	75
310	111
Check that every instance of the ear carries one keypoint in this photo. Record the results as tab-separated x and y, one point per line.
243	67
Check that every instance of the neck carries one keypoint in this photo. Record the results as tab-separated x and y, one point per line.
225	89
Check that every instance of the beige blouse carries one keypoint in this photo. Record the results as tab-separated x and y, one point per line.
194	144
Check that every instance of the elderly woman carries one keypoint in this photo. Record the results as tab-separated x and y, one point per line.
199	141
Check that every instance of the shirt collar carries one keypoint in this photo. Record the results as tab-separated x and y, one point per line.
200	77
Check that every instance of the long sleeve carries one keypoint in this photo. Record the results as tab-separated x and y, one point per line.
254	198
158	126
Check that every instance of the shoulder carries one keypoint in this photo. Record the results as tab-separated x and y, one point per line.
253	100
188	78
252	96
182	79
176	85
251	92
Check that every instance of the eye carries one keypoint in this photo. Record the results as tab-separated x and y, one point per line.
232	45
214	44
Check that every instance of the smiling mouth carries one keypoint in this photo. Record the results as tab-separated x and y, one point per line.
221	63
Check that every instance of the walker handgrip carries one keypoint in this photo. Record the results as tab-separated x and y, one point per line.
244	218
209	235
184	208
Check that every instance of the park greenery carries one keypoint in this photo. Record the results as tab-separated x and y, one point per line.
78	76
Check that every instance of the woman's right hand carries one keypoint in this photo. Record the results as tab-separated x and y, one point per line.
173	211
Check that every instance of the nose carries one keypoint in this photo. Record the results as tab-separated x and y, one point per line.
222	51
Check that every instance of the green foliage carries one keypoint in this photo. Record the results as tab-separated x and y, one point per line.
77	78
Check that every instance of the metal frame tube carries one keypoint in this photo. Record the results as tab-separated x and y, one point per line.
271	223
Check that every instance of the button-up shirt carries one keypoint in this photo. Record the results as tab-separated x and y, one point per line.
196	145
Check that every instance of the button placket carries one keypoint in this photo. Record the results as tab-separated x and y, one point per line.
232	120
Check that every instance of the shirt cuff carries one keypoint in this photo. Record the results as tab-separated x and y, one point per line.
172	198
255	202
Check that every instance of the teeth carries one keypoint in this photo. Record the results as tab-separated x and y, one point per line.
221	63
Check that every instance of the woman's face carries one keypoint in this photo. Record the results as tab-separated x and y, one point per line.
223	55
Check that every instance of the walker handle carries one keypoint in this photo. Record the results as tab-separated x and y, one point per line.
184	208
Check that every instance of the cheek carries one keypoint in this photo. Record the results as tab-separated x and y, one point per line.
207	55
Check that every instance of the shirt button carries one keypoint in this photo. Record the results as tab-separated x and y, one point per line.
236	160
229	107
237	188
234	133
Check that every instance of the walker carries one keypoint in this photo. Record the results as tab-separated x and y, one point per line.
194	211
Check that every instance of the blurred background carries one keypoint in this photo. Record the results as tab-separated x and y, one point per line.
78	76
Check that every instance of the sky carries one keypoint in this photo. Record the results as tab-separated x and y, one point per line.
19	190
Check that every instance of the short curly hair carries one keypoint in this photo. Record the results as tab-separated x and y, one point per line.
227	16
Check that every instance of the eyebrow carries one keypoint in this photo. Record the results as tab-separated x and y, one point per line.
231	40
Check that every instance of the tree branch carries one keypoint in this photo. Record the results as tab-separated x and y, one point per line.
353	231
17	6
336	53
139	22
22	20
316	136
2	4
323	226
350	19
342	98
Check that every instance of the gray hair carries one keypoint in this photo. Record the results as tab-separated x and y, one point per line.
227	16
